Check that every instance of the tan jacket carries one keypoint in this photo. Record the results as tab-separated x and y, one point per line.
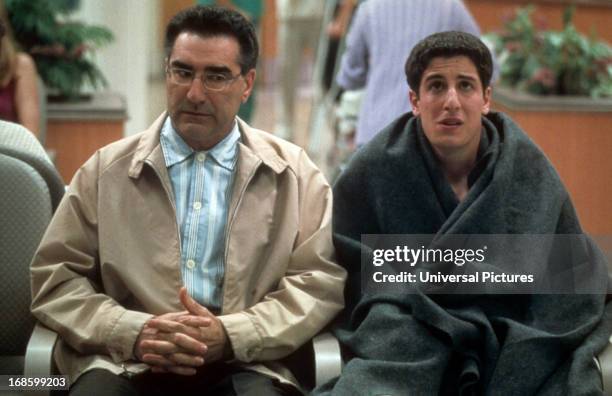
110	258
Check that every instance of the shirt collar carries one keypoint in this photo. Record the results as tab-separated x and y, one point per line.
176	150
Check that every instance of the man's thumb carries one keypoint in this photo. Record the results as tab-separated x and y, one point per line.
192	305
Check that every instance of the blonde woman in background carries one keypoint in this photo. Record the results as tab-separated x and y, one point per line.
18	82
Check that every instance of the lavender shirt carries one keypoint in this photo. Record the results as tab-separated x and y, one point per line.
379	41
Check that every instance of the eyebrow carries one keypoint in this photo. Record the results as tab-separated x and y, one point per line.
436	76
468	77
212	69
180	64
218	69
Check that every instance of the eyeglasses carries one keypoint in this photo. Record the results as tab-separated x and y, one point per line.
211	81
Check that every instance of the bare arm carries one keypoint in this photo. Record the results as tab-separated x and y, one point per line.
337	27
26	93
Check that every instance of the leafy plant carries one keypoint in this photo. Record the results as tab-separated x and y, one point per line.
552	62
60	47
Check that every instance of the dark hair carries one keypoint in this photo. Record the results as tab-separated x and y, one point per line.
207	21
446	45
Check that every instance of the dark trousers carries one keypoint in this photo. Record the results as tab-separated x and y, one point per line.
213	380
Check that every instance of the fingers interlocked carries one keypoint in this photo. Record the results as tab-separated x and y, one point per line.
171	346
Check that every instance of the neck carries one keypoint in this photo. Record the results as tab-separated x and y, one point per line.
204	144
456	167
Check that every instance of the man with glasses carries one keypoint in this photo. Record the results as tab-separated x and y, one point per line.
195	255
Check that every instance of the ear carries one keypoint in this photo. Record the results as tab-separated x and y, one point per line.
249	79
487	101
414	102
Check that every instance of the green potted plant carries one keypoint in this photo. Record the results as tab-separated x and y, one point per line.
557	85
546	62
61	47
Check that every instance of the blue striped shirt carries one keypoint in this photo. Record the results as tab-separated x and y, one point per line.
201	182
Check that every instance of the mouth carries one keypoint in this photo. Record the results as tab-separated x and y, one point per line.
195	113
451	122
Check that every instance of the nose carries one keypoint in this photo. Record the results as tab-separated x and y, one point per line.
451	101
196	92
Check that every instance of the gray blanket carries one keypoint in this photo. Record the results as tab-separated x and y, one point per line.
414	343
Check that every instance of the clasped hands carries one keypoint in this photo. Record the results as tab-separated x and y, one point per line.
179	342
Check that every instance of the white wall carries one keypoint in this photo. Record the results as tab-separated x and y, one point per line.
127	62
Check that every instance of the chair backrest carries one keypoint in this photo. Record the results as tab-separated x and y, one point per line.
29	191
18	142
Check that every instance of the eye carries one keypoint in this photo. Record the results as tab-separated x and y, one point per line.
435	86
465	85
182	73
216	78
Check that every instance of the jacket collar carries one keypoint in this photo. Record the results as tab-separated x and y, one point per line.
176	150
252	141
149	148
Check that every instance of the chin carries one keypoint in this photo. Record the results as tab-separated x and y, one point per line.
191	125
191	130
448	145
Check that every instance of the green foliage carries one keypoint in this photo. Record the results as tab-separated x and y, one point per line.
60	47
552	62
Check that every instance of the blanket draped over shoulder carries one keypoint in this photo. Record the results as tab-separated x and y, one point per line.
413	343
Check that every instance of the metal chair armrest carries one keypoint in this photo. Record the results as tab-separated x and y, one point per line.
39	354
328	360
604	363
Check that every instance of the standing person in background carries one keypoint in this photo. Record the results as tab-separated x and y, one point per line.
336	30
299	27
18	82
253	11
380	36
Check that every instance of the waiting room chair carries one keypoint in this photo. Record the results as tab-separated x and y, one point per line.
30	188
18	142
323	352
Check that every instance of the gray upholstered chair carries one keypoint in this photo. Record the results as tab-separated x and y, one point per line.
30	189
18	142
